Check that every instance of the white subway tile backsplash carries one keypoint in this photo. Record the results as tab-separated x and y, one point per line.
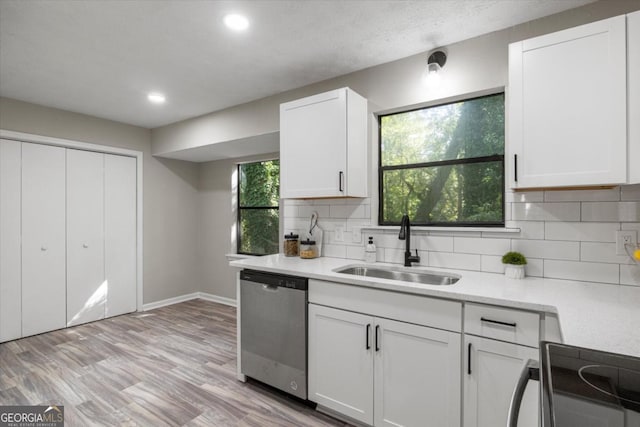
563	234
290	211
524	197
569	211
306	211
584	271
453	260
471	245
528	229
491	264
630	192
348	211
602	252
435	243
395	256
582	231
547	249
534	267
630	274
357	252
334	251
610	211
608	195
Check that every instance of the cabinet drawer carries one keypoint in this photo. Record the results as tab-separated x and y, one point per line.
521	327
433	312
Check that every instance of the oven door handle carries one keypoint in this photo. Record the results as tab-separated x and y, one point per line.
530	371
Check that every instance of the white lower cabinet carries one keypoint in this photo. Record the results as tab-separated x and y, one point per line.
491	371
383	372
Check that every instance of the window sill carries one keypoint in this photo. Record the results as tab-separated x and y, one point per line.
422	229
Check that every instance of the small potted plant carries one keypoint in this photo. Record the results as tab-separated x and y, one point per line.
514	263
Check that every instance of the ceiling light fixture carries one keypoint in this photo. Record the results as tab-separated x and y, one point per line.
236	22
435	62
156	98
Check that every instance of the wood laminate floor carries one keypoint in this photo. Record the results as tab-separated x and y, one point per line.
173	366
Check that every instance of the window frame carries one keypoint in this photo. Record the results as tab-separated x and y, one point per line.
463	161
240	208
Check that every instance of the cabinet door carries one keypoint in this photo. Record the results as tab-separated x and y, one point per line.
567	107
120	234
495	367
633	94
313	146
43	239
10	224
86	286
417	375
341	361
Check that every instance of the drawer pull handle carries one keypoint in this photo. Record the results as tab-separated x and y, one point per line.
368	333
497	322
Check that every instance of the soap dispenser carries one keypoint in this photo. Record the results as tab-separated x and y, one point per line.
370	253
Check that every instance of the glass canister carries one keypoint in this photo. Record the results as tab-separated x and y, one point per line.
308	249
291	244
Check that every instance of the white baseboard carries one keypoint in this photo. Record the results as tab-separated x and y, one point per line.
215	298
182	298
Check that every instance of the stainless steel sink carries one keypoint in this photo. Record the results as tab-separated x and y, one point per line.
402	274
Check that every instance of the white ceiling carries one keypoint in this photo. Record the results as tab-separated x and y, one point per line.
102	57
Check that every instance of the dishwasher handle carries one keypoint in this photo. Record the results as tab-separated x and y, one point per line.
530	371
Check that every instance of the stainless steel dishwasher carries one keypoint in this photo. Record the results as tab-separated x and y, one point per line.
273	335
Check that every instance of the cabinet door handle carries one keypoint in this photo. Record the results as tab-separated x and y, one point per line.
341	181
497	322
377	329
515	167
469	359
368	333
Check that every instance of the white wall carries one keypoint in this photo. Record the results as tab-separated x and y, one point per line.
170	192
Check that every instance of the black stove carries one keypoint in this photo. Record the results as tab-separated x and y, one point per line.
588	388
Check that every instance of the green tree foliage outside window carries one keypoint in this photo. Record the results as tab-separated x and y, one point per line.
258	216
444	165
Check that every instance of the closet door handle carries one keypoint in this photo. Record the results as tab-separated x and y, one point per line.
377	329
469	359
368	333
515	167
341	181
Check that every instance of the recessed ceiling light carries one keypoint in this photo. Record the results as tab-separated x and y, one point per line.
156	98
236	22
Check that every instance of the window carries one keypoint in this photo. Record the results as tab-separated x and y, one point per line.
444	165
258	217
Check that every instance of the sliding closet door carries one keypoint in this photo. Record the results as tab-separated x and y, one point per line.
86	286
43	238
10	280
120	234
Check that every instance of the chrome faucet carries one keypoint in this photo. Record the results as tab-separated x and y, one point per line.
405	234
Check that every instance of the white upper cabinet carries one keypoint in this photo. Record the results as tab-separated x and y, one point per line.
633	94
323	146
567	104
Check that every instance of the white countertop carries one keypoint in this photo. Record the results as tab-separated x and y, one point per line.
599	316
